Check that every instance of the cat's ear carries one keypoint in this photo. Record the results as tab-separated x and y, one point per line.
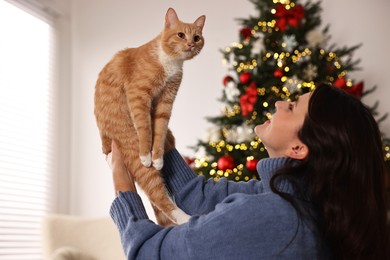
171	18
200	21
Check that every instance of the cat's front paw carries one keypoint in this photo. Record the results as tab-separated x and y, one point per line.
158	163
146	160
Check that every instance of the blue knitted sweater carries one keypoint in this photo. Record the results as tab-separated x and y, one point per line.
230	220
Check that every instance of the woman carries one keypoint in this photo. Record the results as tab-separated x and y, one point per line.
321	194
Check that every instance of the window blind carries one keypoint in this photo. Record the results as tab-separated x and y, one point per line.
27	130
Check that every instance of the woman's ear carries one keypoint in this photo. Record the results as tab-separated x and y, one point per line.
299	151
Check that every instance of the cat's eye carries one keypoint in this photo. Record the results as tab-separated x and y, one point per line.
181	35
196	38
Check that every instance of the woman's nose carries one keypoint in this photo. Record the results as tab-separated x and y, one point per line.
278	104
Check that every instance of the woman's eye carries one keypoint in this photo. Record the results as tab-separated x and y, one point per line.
181	35
290	106
196	38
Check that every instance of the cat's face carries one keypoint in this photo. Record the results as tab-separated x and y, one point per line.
182	40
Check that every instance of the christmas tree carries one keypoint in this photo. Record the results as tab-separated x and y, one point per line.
282	53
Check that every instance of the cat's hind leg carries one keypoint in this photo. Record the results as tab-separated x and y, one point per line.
106	144
152	183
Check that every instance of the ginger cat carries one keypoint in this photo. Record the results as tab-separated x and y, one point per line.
134	95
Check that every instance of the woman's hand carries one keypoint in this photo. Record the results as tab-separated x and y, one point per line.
123	180
169	141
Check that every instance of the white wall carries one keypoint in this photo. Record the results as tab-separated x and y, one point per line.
99	28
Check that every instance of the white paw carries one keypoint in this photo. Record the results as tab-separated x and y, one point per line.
158	163
180	216
146	160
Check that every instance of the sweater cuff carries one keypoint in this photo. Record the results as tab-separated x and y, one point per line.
176	171
127	206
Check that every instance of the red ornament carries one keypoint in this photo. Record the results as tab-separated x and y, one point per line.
340	83
278	73
355	90
288	17
226	80
245	77
246	33
190	161
248	100
226	162
251	164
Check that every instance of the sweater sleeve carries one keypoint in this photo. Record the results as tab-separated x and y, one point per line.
140	237
203	237
193	193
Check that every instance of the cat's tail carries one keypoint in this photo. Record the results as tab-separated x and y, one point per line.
151	182
161	218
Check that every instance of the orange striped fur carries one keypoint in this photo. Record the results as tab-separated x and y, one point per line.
134	95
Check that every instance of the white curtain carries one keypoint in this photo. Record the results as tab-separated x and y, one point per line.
28	128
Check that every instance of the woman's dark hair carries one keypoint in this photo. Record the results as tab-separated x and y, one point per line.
345	172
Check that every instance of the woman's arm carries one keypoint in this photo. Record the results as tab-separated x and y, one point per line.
193	193
234	230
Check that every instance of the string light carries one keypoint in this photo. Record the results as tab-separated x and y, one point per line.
311	85
261	91
255	144
249	158
285	2
246	65
235	110
254	115
343	73
201	162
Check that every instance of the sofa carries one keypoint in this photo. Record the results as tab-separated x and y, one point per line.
80	238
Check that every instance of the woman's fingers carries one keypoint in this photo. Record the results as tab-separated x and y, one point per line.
123	181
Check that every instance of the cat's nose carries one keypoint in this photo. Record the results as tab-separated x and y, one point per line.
190	44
